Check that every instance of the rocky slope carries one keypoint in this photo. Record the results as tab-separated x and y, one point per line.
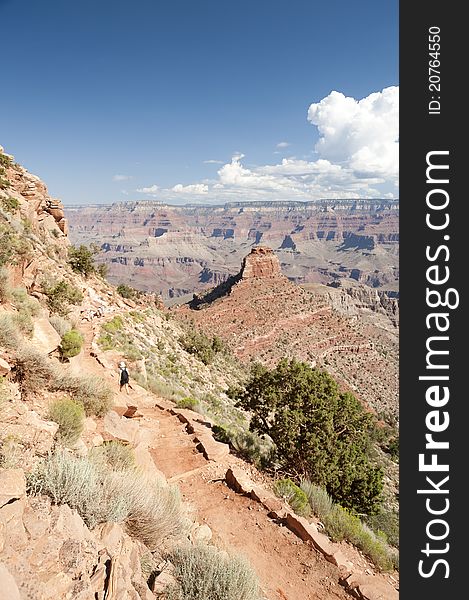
263	316
176	250
51	545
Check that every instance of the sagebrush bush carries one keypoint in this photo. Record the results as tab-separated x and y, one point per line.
78	483
206	573
24	323
114	454
5	287
60	324
70	417
319	500
9	332
91	390
150	510
33	370
295	496
71	344
23	302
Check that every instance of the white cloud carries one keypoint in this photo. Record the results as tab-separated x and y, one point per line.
148	190
125	192
195	188
121	177
213	162
362	135
356	157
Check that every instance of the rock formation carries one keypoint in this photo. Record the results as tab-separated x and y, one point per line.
263	316
179	250
261	262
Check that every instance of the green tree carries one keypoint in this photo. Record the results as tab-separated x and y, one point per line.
320	432
81	259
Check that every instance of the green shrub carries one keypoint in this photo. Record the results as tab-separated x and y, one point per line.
386	522
60	324
253	447
206	573
197	343
91	390
23	302
295	496
188	402
113	454
10	204
81	260
150	510
14	248
114	325
70	416
71	344
319	431
9	333
318	498
61	295
126	291
33	370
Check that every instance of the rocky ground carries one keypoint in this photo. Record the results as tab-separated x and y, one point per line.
46	548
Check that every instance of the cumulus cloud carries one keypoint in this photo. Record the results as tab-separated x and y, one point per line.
153	189
211	161
362	135
121	177
195	188
357	157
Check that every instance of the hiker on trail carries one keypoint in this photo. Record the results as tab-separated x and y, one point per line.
123	377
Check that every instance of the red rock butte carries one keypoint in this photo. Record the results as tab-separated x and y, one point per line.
261	262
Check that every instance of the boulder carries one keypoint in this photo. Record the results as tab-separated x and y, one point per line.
12	485
120	428
4	367
8	588
200	534
367	587
45	338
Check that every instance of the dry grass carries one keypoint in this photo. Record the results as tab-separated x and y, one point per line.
9	334
113	454
151	511
91	390
33	370
206	573
60	324
70	416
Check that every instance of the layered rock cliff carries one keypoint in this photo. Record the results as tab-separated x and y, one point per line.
177	250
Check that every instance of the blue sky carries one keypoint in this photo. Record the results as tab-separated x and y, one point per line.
113	100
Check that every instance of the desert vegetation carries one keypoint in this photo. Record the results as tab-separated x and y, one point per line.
206	573
318	431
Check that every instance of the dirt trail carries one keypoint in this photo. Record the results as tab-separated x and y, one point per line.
288	568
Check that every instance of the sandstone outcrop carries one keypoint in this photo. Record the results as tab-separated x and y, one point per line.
261	262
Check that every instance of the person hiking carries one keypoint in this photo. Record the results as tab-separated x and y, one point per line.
123	377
